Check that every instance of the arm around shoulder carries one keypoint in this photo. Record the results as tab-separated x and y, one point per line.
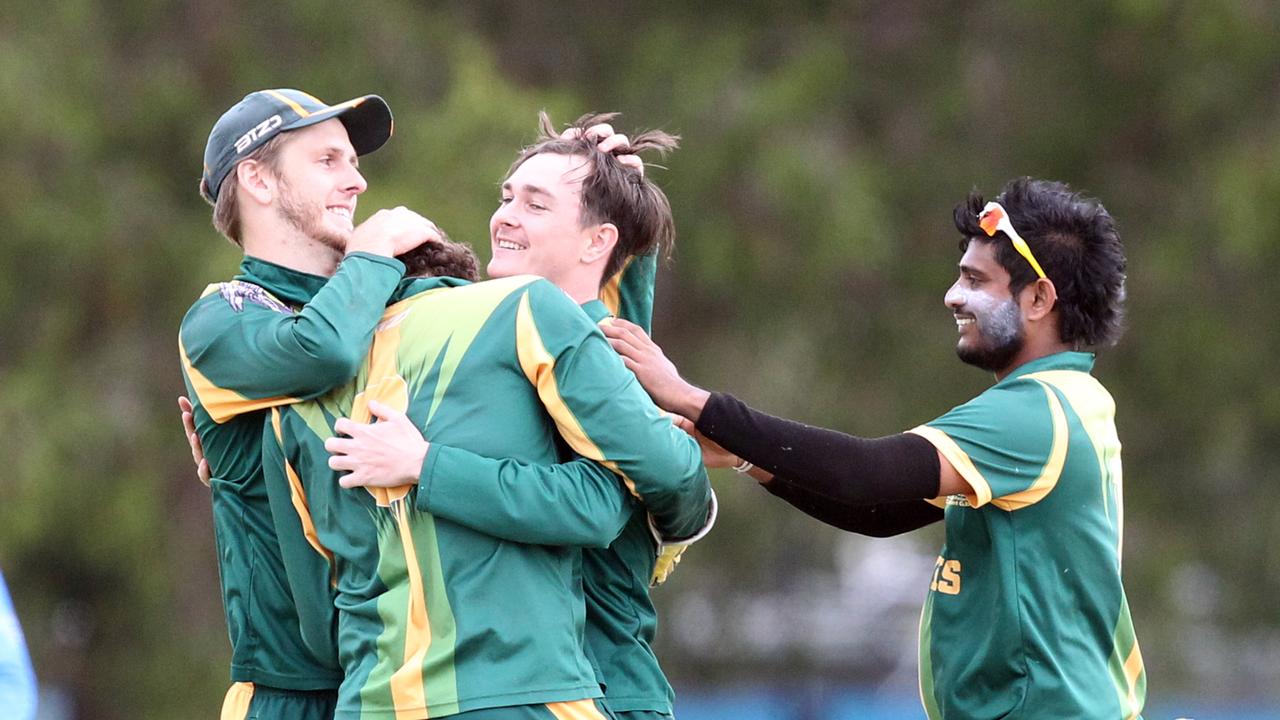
603	413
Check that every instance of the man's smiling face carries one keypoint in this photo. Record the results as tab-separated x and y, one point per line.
537	227
318	182
988	317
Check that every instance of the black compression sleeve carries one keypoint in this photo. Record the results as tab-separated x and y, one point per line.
880	520
847	469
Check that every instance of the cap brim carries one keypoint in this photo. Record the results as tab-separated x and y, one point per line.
367	119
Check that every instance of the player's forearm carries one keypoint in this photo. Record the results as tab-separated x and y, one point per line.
578	503
878	520
661	464
604	414
324	344
843	468
683	513
663	469
242	341
685	399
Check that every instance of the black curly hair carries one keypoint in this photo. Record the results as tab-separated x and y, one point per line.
1074	239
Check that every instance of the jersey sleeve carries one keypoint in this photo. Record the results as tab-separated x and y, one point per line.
629	293
578	503
884	519
1009	443
245	351
604	414
308	565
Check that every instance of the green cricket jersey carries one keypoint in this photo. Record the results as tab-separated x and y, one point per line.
622	622
575	503
267	337
435	618
1026	616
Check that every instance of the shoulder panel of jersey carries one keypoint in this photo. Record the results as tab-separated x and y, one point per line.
210	315
427	340
1009	443
1096	409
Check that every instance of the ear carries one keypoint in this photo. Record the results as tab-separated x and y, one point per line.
603	239
1040	298
257	181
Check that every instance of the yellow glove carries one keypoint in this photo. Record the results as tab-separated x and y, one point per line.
670	551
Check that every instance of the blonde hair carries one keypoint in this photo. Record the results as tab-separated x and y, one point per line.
226	210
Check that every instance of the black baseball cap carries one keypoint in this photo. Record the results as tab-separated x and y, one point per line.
264	114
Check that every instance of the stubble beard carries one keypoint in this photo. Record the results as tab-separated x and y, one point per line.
1001	338
308	219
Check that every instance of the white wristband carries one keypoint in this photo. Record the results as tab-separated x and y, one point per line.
743	467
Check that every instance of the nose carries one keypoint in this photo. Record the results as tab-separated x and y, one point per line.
954	298
503	216
354	182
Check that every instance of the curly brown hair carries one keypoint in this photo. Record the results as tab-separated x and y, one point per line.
444	258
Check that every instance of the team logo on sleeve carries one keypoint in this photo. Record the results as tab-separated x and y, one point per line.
236	292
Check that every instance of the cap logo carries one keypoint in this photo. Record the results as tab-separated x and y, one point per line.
262	128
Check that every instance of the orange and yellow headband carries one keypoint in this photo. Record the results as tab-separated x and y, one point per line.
993	219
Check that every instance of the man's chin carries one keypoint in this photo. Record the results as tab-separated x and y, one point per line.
335	240
499	269
989	359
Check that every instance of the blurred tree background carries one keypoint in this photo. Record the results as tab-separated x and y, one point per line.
825	144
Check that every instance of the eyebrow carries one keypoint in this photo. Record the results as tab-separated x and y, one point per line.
341	152
970	270
530	189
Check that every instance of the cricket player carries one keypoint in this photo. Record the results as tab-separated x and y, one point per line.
281	170
1026	615
558	505
436	618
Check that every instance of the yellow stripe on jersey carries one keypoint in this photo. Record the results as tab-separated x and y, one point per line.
539	367
223	404
1097	412
1132	672
385	385
1125	665
235	706
1052	467
468	308
960	460
611	293
576	710
298	495
408	686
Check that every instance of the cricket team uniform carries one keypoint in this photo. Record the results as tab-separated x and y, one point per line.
622	622
434	617
1026	616
247	345
533	503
